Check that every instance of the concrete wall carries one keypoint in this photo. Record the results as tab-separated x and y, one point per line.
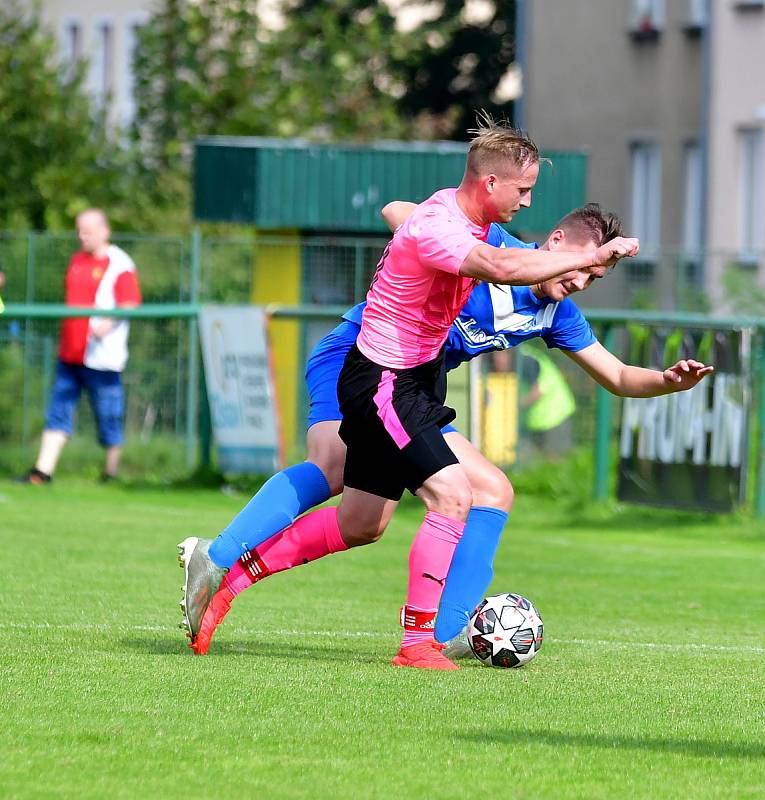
589	86
737	101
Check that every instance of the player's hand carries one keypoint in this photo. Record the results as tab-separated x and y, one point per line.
609	253
686	374
99	327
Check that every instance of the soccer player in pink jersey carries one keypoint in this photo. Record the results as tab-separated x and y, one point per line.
393	385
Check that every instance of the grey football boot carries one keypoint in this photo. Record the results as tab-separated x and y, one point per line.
202	577
458	647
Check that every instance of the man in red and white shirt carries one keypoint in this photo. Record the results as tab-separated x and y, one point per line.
92	350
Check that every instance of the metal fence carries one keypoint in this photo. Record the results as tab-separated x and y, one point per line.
163	380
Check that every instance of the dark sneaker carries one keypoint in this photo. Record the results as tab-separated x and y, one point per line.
35	476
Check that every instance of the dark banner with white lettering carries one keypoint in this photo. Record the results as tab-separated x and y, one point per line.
688	449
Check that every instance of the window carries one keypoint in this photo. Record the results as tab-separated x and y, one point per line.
71	45
693	200
698	15
103	60
131	47
645	206
646	19
751	196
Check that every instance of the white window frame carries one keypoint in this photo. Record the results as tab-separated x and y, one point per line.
751	194
693	200
131	25
102	62
647	18
71	47
645	195
698	15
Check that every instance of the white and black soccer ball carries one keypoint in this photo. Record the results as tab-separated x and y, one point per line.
505	630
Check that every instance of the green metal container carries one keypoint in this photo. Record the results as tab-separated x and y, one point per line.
291	183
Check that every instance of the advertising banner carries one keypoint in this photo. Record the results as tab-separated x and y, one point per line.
688	449
240	388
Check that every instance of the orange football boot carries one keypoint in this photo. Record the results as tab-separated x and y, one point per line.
214	614
426	655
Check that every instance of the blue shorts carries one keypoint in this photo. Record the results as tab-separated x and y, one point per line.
107	399
323	370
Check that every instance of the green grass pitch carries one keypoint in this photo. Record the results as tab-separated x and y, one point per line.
651	681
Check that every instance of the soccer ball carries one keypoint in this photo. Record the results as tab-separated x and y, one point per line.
505	630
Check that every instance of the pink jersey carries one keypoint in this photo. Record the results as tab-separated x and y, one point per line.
417	291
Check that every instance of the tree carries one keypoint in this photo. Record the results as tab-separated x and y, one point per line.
330	71
197	71
212	67
457	67
55	152
334	73
346	71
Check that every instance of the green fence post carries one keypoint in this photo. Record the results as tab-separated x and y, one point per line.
28	336
192	387
603	428
358	274
759	503
205	425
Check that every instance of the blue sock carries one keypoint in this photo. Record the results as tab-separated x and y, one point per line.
471	570
281	499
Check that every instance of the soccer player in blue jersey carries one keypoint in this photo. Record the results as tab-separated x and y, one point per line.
494	318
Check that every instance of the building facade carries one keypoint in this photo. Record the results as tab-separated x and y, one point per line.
735	198
104	32
665	98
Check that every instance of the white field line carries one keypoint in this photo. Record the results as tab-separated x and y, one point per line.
605	643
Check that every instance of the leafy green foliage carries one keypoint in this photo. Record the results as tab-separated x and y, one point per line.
327	71
53	139
198	71
58	153
457	66
743	290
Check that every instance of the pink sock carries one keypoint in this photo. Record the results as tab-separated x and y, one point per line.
311	537
307	539
429	560
238	578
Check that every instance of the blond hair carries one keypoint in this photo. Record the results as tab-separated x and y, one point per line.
498	147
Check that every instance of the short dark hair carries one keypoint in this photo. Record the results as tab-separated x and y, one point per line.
591	223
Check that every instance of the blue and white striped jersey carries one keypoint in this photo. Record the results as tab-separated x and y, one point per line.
498	317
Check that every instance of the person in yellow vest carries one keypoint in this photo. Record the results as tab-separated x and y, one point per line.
548	402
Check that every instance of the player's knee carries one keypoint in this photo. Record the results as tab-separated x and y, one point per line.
494	491
452	498
358	529
361	536
333	472
327	452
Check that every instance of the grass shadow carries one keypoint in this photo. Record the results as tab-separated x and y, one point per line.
638	519
699	748
172	645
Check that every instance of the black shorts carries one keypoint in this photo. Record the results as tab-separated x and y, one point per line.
392	420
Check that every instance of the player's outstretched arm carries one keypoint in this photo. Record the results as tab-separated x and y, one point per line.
625	380
395	212
522	267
